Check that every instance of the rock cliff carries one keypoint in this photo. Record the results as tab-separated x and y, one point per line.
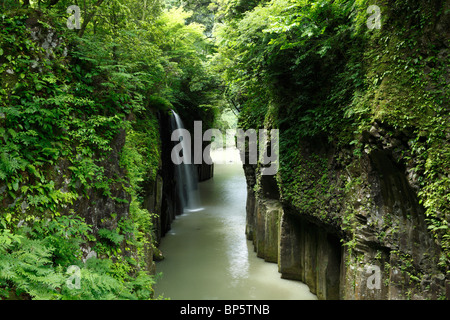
373	219
359	208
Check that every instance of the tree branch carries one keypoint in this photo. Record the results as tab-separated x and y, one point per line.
89	18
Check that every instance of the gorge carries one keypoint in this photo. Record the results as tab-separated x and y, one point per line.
358	208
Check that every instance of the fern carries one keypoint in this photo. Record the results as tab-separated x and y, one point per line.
10	164
27	267
112	236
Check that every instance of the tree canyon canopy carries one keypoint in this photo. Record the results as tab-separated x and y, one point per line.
86	178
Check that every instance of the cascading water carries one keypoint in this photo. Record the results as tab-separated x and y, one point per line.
186	174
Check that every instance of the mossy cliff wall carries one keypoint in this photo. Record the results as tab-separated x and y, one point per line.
372	218
370	193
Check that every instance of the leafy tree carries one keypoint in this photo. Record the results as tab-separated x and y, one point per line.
65	107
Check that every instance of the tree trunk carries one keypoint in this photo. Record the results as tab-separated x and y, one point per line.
89	18
143	11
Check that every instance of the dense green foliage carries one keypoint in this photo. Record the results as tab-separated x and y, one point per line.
311	68
316	71
67	98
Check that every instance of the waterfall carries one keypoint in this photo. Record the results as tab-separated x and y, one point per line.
186	174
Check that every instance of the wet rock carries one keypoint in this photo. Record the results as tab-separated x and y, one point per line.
309	254
265	236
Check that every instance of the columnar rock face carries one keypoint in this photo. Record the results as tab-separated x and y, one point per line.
205	172
266	229
309	254
390	234
380	248
303	251
171	205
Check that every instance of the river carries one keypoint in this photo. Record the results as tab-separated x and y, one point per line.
207	255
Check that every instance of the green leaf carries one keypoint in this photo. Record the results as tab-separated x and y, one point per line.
15	185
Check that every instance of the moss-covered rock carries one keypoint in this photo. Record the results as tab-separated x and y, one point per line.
364	152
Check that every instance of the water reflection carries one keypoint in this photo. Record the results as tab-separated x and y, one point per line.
208	255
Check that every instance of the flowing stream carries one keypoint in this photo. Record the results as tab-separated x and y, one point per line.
207	255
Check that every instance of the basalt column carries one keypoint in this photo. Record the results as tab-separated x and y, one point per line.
310	254
303	250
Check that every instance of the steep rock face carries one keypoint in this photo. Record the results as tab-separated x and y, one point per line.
364	150
390	232
170	202
205	172
265	223
98	211
310	254
371	243
302	250
91	204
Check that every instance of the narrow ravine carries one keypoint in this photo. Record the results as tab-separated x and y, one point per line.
207	255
